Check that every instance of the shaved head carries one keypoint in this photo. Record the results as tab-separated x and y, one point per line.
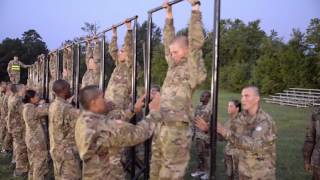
60	86
88	94
182	41
255	89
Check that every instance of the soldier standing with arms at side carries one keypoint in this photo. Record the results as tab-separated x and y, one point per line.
62	119
253	134
14	69
172	138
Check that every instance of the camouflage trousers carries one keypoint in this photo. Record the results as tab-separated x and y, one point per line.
3	130
256	168
15	78
231	166
20	151
66	164
316	173
38	164
203	154
7	142
170	151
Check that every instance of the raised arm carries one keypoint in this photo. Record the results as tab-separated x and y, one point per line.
113	46
97	50
89	52
197	68
168	32
128	43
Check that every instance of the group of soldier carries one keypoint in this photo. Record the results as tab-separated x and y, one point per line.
89	142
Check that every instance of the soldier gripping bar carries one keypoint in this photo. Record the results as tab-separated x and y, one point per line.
161	7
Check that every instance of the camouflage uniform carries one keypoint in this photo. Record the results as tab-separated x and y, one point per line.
68	63
231	159
254	138
7	137
53	75
91	77
62	119
119	86
16	127
14	68
36	140
172	138
202	140
2	119
311	150
99	141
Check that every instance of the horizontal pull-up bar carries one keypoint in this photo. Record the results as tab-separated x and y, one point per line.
101	34
161	7
119	24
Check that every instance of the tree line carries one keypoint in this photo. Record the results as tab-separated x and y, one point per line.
248	55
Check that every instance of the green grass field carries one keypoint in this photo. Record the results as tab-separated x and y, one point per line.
291	123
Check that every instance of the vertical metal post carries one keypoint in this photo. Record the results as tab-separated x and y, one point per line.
214	88
147	80
72	68
134	92
58	65
77	74
47	77
102	66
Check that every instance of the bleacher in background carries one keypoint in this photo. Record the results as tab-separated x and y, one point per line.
297	97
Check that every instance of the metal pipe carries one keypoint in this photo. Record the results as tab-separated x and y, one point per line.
214	88
147	80
102	66
77	74
47	78
58	65
72	68
161	7
134	92
101	34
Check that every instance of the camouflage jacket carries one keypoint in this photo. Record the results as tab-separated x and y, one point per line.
311	148
182	79
15	120
35	135
89	53
100	140
67	63
254	137
119	86
229	148
201	112
62	119
90	77
4	110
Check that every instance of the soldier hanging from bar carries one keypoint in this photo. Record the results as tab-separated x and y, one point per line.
93	62
172	138
53	73
67	64
119	86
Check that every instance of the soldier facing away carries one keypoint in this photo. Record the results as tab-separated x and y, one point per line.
14	69
172	139
16	127
99	140
62	119
33	114
253	134
311	148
